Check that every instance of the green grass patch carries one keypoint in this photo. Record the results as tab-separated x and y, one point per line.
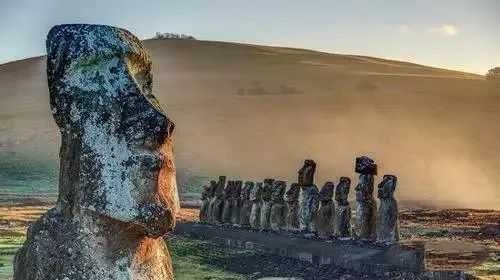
8	248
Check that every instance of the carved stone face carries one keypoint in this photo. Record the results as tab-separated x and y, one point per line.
116	139
267	189
212	188
306	173
237	189
247	189
278	191
364	188
293	193
342	190
387	186
326	192
256	192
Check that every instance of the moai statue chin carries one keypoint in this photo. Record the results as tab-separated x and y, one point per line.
308	209
256	199
246	204
326	212
216	206
236	201
292	212
388	222
228	201
366	206
265	210
342	221
117	187
306	173
278	208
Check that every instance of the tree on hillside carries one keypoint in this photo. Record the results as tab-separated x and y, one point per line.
493	74
167	35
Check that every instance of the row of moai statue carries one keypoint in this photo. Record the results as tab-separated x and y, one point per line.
269	206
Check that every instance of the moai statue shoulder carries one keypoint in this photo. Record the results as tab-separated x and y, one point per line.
366	205
292	212
325	216
256	198
277	216
265	211
342	221
388	222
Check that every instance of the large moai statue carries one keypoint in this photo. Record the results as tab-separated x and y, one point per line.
236	200
256	199
306	173
388	222
229	190
366	205
246	204
342	221
205	201
265	210
326	212
278	207
292	208
308	209
117	186
216	206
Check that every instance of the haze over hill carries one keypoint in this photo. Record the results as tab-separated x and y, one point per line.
252	112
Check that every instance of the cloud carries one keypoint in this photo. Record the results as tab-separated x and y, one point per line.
448	30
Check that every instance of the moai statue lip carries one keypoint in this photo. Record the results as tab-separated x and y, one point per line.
365	165
117	186
100	85
306	173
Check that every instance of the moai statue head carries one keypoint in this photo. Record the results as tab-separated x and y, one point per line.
326	192
267	189
306	173
221	185
364	188
342	190
247	189
229	189
212	188
256	192
387	187
278	191
116	148
205	192
293	193
237	189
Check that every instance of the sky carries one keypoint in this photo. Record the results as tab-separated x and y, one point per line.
455	34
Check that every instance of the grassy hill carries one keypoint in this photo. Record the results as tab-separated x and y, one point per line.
250	112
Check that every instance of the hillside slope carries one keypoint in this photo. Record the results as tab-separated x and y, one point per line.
251	112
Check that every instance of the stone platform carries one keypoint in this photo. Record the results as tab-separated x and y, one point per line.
354	255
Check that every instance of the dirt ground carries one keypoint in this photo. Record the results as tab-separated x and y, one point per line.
455	238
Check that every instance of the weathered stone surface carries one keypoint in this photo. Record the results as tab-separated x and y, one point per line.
216	206
342	221
236	201
205	200
388	222
292	212
308	208
246	204
228	201
326	212
278	208
306	173
265	210
365	165
256	199
117	187
366	208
